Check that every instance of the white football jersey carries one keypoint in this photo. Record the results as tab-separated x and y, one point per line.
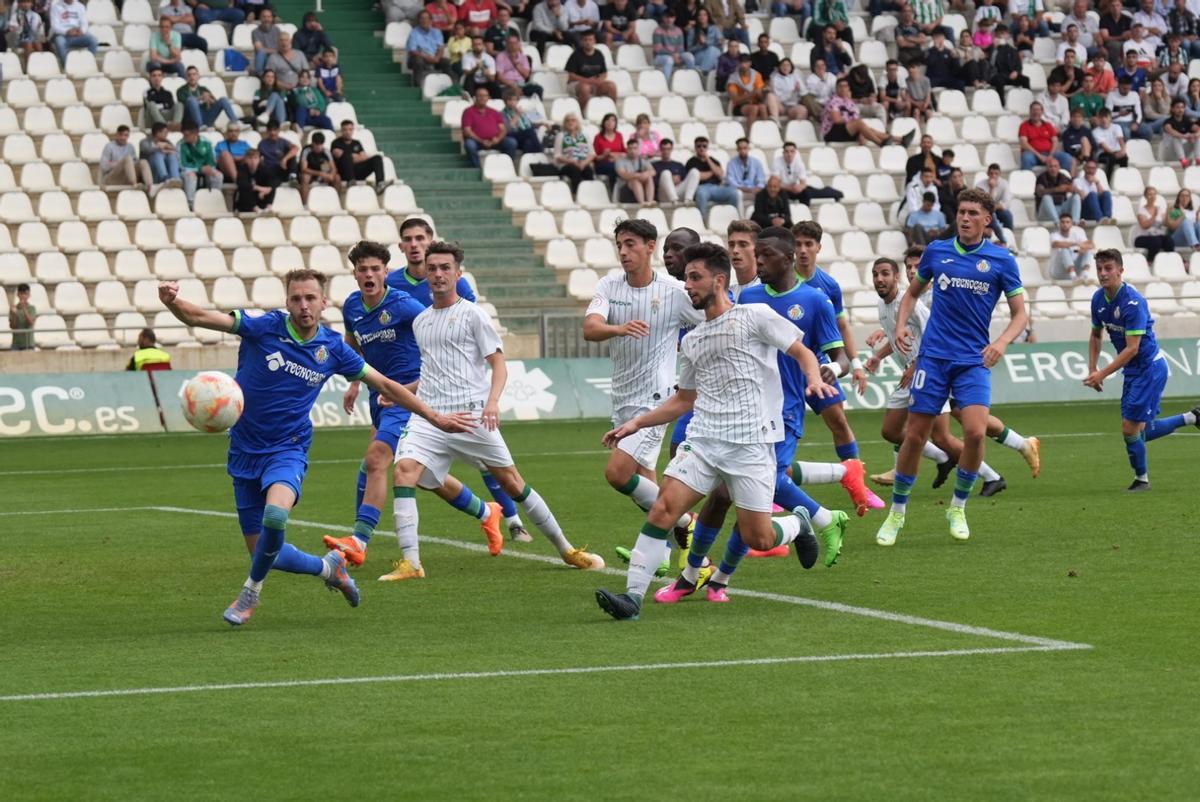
643	367
731	362
916	323
455	342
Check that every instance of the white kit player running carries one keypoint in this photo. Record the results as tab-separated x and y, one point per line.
458	345
639	314
730	376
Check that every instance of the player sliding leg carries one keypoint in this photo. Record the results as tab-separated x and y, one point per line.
1118	307
968	274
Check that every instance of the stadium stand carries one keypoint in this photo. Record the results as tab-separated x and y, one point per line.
91	243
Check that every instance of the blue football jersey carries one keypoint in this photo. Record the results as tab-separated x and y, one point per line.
827	284
400	280
966	286
812	312
1127	313
384	333
281	377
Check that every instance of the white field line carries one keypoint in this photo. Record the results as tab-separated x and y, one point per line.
530	672
517	454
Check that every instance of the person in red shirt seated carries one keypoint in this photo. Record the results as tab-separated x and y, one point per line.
483	128
477	15
1040	142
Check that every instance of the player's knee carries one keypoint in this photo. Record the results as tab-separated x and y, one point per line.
972	436
275	517
379	457
617	474
761	539
892	432
1130	428
660	514
509	479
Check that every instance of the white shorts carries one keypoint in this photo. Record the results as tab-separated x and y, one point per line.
747	469
644	445
435	449
899	399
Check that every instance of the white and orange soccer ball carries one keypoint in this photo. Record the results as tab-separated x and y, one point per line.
212	401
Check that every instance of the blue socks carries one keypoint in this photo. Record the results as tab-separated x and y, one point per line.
294	561
270	541
703	538
365	523
507	506
735	550
901	489
1163	427
362	485
963	484
1135	447
789	496
847	451
472	505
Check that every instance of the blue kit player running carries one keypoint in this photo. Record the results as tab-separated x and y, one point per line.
968	275
415	237
1125	314
284	360
379	325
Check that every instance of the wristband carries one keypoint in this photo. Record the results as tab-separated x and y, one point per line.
856	364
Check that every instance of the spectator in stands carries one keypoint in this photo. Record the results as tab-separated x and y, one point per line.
745	173
892	96
635	176
1110	143
583	16
1182	23
222	11
1055	194
941	64
198	164
587	72
1077	139
862	92
270	101
1126	107
1182	222
1039	141
1088	100
183	22
442	15
1136	74
265	38
616	23
712	177
730	17
793	177
311	40
279	156
1067	75
997	186
1193	99
749	96
1006	63
69	28
1104	78
159	104
163	158
647	138
119	164
1115	30
1154	25
426	50
25	31
21	318
654	9
1070	44
1150	231
514	70
925	157
479	69
148	355
925	181
329	78
287	63
457	46
520	125
1034	14
704	41
788	88
910	39
495	38
316	167
829	14
1176	81
727	64
254	8
670	46
771	206
764	60
573	153
1156	107
1086	28
949	192
166	49
1056	108
608	146
925	223
1181	140
835	53
919	91
549	25
308	104
944	166
841	122
1092	186
231	152
200	106
483	128
1070	251
478	15
255	192
675	181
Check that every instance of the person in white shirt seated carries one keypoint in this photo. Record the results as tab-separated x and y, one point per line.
1070	251
789	168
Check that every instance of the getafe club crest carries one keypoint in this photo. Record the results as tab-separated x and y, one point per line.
322	355
794	312
943	282
982	266
385	317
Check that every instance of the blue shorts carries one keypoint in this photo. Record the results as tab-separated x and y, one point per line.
679	430
785	449
936	380
389	422
1141	394
819	405
254	473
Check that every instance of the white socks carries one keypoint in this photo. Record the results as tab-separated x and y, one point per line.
1011	439
1189	419
648	553
541	517
821	519
252	585
645	493
987	472
817	473
405	510
789	525
930	451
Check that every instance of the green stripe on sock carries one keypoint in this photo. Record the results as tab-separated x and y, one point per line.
629	486
363	529
362	466
475	508
778	533
964	485
1003	434
896	448
797	474
404	492
524	494
650	530
1132	438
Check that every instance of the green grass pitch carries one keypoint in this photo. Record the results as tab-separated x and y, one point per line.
97	596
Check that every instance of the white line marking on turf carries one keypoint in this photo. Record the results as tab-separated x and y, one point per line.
530	672
68	512
836	607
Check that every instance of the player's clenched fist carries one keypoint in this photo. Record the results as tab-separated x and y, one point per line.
168	291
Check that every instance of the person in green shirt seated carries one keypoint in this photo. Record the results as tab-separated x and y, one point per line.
308	104
1089	100
199	165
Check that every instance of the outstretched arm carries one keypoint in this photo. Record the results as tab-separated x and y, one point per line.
669	410
192	315
398	394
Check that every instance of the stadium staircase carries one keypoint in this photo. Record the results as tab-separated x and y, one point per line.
506	268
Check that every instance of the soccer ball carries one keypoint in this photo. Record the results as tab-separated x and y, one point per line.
212	401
